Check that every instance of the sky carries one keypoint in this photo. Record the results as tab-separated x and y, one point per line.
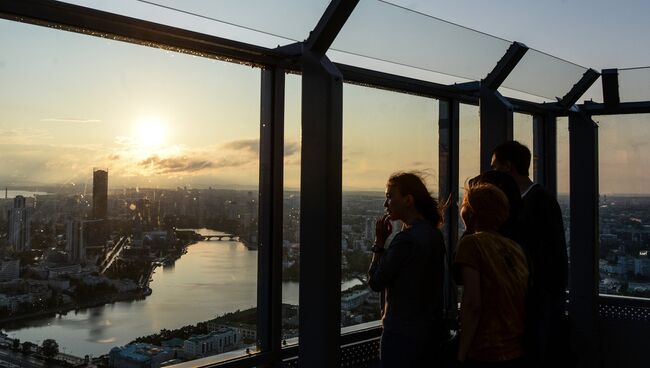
156	118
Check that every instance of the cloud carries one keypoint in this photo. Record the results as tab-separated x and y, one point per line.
419	163
70	120
22	136
114	157
290	148
175	164
249	145
190	163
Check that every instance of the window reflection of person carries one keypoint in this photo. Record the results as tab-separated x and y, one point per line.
410	272
493	272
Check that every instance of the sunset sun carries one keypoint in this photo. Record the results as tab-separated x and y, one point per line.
150	132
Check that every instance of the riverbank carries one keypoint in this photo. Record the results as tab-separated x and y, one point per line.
211	279
65	309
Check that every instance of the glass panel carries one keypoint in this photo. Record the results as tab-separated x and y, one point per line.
470	156
544	75
383	132
634	84
594	93
563	177
257	22
164	235
523	131
420	41
624	204
291	207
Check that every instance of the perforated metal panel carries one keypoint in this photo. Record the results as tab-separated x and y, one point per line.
624	312
290	363
362	354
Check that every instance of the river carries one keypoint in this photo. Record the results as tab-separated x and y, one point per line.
213	278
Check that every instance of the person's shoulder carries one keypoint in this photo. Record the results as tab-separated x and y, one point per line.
538	191
404	236
467	250
469	240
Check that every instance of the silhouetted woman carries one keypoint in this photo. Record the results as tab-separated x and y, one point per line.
410	272
492	270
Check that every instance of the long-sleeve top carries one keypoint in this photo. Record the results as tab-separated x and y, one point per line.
544	240
411	272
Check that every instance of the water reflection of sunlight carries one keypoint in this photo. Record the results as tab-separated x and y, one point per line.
104	341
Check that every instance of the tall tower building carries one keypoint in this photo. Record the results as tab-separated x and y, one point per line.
19	226
75	240
100	193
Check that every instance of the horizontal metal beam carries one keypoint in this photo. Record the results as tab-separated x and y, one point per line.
593	108
329	25
367	77
104	24
505	66
579	89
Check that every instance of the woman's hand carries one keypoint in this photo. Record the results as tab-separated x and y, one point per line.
383	228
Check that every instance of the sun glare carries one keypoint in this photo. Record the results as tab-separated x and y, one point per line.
150	133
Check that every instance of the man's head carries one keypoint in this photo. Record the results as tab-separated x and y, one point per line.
511	157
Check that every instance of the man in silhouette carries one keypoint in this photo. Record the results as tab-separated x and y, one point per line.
545	245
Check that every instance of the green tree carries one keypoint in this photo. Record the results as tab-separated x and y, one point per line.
50	348
27	347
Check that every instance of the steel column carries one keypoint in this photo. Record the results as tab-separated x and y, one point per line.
545	151
320	213
611	96
496	123
448	181
269	269
583	284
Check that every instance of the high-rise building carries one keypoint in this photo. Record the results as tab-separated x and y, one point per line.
100	193
82	235
18	232
9	269
74	240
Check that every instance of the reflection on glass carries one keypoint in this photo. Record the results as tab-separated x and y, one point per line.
420	41
544	75
129	220
257	22
291	207
470	160
383	132
624	204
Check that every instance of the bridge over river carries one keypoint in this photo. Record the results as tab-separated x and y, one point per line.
220	237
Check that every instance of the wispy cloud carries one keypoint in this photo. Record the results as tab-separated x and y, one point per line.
250	145
170	165
70	120
188	164
22	136
291	148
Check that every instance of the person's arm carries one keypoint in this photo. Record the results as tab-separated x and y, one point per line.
470	310
385	266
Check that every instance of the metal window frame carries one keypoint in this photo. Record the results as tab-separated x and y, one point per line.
274	62
584	237
270	214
